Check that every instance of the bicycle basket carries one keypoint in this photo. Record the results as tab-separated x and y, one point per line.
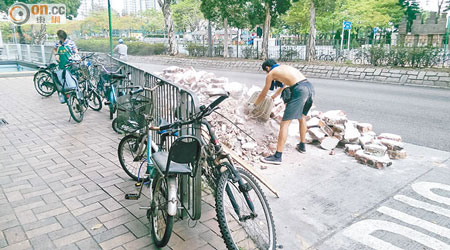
131	110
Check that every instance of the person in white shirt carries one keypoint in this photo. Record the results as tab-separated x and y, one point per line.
121	50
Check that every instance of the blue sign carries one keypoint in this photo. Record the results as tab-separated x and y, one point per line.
375	30
347	25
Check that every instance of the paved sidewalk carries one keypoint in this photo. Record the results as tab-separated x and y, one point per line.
59	179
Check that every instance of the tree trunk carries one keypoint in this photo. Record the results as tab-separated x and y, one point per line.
38	32
21	36
167	12
225	38
210	44
266	32
311	48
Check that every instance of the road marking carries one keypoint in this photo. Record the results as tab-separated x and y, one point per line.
361	231
439	230
424	189
423	205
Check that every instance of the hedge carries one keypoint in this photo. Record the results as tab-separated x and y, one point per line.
134	48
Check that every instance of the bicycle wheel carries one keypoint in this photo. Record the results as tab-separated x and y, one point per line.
76	107
43	83
129	158
240	227
162	222
95	101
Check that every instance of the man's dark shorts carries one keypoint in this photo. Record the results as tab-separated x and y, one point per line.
300	102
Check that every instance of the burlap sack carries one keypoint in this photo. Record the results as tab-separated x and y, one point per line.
263	110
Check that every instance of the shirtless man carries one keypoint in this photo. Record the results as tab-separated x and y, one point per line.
297	106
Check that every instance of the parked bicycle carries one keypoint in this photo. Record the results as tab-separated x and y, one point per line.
240	201
108	88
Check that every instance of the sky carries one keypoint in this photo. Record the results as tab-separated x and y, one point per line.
117	5
430	5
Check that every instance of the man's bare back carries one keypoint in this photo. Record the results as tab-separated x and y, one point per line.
286	74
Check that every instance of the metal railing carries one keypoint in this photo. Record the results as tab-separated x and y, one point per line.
26	52
170	103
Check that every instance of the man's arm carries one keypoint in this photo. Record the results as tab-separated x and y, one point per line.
55	53
277	93
263	93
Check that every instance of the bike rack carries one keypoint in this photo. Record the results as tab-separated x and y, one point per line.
172	102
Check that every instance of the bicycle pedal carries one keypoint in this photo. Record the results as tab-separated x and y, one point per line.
144	207
138	184
131	196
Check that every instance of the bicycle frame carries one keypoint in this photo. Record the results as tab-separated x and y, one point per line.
214	159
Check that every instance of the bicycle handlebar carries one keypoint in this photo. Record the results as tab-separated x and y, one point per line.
198	116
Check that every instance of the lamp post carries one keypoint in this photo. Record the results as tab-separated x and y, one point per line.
110	28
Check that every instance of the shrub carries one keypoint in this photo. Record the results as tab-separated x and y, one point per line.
134	48
196	49
403	56
248	52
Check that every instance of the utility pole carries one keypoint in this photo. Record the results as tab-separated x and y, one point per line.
110	28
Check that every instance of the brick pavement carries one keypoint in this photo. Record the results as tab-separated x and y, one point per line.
59	179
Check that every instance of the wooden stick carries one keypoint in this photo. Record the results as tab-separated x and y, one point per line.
249	168
244	164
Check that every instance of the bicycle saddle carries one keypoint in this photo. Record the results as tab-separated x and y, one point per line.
117	76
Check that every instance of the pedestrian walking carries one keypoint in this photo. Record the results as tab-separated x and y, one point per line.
121	50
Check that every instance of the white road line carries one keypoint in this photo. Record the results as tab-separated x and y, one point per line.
423	205
361	231
424	189
442	231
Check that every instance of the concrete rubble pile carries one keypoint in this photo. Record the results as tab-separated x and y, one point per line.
332	128
328	129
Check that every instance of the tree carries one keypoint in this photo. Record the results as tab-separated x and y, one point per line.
167	12
273	9
411	9
187	15
153	20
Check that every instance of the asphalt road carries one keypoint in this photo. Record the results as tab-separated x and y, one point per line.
420	115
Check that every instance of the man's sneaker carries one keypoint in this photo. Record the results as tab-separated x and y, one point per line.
301	147
271	160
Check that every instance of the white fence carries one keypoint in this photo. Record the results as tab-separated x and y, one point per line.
26	52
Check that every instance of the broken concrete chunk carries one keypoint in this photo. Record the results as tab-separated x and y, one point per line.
390	137
372	160
333	117
308	138
215	92
365	139
316	113
234	88
249	146
172	69
392	145
351	149
375	150
329	143
325	128
397	155
338	128
317	133
219	80
313	122
364	127
351	132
